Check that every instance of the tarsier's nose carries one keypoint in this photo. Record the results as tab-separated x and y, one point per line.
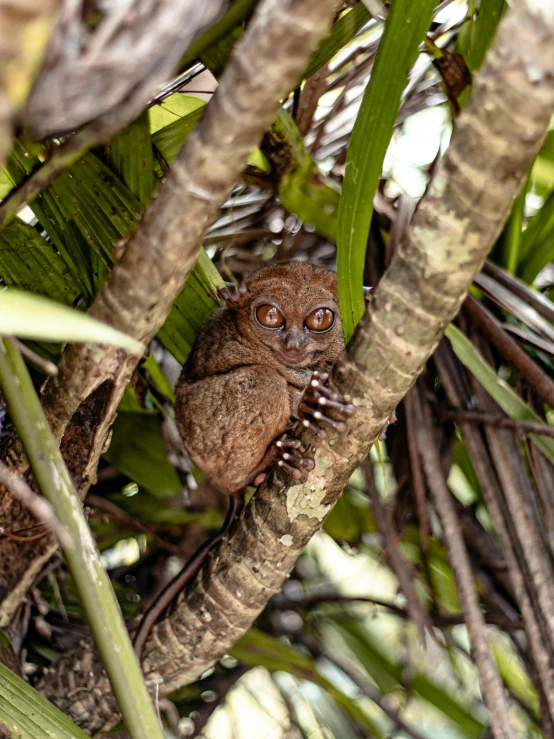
293	340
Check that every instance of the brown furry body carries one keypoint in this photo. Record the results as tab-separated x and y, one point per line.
242	383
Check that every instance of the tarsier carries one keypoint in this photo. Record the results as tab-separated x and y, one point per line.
256	373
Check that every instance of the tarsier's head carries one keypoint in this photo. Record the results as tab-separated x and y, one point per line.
292	309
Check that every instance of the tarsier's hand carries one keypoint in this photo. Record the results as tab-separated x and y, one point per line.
316	400
312	407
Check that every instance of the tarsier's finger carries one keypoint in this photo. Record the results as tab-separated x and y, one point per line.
339	426
323	395
292	456
312	426
292	471
347	408
298	461
327	392
285	443
319	416
316	386
393	418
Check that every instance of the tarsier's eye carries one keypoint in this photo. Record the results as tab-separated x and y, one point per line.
320	319
269	316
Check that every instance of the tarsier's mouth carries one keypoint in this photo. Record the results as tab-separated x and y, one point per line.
294	359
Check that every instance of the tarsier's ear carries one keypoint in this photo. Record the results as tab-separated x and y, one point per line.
233	295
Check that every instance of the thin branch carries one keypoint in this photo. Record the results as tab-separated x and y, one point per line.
177	83
49	368
363	685
398	562
39	507
522	427
541	646
418	483
535	299
314	600
118	514
493	689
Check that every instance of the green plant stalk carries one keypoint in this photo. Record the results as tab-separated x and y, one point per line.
483	31
514	228
535	250
405	28
94	586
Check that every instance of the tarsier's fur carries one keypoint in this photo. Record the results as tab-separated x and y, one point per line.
238	392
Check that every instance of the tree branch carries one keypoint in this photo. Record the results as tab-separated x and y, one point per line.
80	403
493	689
89	73
540	642
455	226
524	428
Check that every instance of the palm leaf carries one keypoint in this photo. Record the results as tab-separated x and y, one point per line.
27	715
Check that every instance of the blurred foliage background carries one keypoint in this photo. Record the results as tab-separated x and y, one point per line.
367	637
